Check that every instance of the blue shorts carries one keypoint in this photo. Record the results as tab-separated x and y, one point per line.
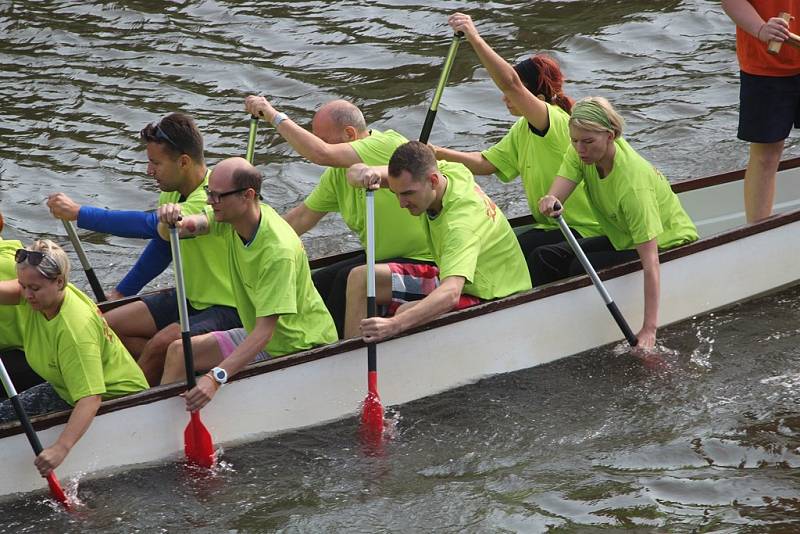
163	307
768	107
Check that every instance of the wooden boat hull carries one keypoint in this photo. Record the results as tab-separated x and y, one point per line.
519	332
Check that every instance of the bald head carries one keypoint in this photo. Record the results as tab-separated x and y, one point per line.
339	121
237	173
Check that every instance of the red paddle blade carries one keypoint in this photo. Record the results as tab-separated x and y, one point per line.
198	444
372	412
56	490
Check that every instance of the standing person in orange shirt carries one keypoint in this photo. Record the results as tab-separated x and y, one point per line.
769	98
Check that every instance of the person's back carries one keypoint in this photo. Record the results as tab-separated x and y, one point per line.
10	334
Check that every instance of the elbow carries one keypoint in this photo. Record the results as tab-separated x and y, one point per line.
510	82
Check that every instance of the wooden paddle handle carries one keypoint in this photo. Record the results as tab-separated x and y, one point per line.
775	46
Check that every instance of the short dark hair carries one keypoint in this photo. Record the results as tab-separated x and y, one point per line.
178	134
248	177
415	157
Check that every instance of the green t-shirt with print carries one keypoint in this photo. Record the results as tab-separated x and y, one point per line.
537	158
271	276
10	334
470	237
205	262
77	352
634	203
398	234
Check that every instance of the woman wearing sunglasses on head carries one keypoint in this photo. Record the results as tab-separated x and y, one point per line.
68	343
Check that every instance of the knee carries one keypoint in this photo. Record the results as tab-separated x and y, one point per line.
766	155
164	338
174	353
357	281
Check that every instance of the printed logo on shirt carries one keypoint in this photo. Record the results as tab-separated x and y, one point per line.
491	207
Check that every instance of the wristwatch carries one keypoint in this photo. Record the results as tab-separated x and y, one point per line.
219	375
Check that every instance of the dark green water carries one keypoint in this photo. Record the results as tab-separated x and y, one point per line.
598	442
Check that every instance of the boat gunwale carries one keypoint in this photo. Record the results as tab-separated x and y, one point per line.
159	393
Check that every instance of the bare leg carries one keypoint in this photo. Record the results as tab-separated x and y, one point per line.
155	351
759	179
356	308
133	324
206	354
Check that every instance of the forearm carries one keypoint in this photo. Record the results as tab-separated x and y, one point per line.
10	292
744	15
648	254
79	421
315	149
441	300
474	161
188	226
136	224
156	256
501	72
562	188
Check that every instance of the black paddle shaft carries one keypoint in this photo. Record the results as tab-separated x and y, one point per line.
33	438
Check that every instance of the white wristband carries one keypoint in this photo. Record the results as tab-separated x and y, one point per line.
279	118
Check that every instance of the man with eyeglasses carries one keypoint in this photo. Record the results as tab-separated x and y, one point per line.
340	138
174	148
278	305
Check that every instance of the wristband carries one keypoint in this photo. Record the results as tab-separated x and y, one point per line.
217	385
279	118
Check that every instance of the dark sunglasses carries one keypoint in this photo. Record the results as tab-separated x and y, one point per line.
161	134
35	258
215	197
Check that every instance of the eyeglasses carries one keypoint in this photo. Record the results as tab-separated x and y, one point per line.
35	258
214	197
161	134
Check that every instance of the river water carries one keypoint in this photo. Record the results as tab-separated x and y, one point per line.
706	442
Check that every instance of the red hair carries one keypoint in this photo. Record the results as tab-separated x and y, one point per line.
550	82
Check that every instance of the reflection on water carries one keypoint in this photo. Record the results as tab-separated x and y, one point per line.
708	441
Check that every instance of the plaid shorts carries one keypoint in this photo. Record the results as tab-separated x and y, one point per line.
415	281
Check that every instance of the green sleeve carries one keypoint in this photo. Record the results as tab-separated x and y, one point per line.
505	154
323	198
81	368
571	166
277	289
640	210
460	253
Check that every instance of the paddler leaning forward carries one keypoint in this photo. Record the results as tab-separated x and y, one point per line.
69	344
279	307
633	202
476	252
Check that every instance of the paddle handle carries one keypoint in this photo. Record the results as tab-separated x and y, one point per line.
427	126
183	308
97	289
251	140
598	284
372	359
775	46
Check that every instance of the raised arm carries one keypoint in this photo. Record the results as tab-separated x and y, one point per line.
505	77
304	142
474	161
302	218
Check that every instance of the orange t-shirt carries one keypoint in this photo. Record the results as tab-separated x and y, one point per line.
752	53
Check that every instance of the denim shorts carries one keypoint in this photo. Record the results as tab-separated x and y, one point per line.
163	307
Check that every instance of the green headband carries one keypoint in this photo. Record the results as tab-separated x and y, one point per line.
591	111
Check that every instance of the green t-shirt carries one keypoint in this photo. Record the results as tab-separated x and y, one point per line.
537	159
398	234
271	276
10	334
634	203
77	352
205	262
471	237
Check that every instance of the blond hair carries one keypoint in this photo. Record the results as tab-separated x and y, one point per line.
55	262
596	114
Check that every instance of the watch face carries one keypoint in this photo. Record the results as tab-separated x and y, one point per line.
220	375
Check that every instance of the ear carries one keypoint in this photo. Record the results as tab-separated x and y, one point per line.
350	133
61	283
184	160
434	177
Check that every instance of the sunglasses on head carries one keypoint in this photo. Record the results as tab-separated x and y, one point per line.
161	134
34	258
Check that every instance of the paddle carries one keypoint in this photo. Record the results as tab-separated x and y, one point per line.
52	481
612	306
437	96
251	140
372	414
87	267
198	444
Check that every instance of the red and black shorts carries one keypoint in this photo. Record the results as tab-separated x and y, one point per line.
415	281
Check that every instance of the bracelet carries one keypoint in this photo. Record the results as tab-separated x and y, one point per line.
279	118
217	385
758	33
